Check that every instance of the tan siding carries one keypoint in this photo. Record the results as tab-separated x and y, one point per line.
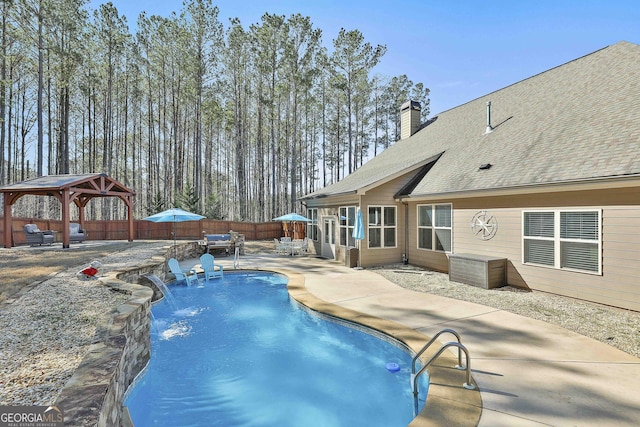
438	261
619	284
384	196
501	245
434	260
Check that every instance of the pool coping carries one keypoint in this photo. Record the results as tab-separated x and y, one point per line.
448	403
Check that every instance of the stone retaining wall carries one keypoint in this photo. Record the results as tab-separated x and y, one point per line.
93	396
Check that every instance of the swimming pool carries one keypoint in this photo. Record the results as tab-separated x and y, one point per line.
238	351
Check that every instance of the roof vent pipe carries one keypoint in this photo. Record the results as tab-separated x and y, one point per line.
489	127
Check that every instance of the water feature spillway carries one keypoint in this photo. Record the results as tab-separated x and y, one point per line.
162	287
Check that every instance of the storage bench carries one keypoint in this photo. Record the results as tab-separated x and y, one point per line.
478	270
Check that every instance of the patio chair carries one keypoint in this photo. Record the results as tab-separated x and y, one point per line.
305	245
37	237
297	247
210	269
182	276
280	247
76	234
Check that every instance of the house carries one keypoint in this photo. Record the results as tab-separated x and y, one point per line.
539	181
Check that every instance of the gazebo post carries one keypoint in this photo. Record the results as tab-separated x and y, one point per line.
129	203
81	215
8	231
66	237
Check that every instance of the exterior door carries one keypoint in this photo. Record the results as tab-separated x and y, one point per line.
329	238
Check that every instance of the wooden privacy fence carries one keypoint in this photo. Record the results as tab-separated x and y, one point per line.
145	230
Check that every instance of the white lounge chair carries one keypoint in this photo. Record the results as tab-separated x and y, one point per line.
210	269
182	276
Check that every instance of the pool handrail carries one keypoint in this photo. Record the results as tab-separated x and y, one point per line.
414	377
431	341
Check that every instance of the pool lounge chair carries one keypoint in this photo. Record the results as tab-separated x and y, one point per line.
182	276
210	269
37	237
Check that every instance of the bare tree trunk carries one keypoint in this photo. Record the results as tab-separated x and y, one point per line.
40	150
3	92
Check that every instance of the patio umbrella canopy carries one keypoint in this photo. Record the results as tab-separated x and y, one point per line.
174	215
358	231
292	217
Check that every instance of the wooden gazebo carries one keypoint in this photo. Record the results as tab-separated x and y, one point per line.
79	189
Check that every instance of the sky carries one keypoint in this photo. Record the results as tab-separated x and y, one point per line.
459	49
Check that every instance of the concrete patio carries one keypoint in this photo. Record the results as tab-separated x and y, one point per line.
529	373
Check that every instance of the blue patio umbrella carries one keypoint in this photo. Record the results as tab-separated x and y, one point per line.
358	228
292	217
358	231
174	215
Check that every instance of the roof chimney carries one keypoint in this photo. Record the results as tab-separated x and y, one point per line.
489	127
409	119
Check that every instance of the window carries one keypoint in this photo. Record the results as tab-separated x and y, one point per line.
312	226
563	239
382	226
347	216
434	227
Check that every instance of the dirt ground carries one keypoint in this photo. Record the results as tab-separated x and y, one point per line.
23	267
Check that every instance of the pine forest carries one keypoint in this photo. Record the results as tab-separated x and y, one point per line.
228	120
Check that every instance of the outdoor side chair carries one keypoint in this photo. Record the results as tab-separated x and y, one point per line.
37	237
182	276
210	269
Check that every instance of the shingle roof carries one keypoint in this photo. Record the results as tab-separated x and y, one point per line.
97	183
50	181
578	121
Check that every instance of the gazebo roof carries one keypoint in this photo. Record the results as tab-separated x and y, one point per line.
94	184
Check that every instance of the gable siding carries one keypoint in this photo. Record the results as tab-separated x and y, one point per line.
619	284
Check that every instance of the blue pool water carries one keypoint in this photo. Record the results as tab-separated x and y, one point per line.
238	352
